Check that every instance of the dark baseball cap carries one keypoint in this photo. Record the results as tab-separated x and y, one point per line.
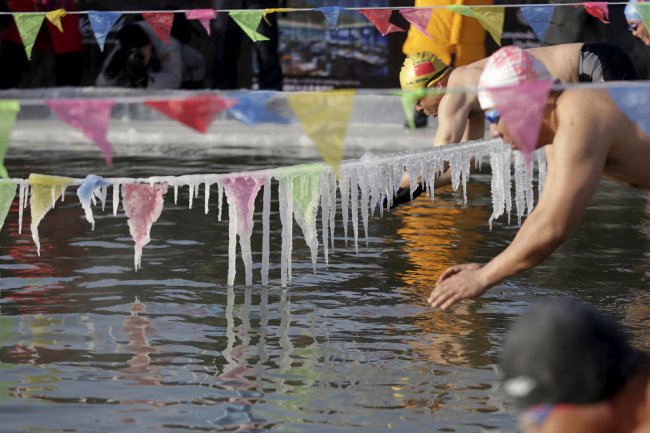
563	351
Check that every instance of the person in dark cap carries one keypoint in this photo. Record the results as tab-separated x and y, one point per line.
570	369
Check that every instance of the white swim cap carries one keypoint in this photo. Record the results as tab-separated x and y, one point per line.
509	66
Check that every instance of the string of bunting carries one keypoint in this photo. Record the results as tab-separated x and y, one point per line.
490	17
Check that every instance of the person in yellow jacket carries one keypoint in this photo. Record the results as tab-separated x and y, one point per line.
457	40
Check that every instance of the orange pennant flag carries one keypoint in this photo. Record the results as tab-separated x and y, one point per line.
197	112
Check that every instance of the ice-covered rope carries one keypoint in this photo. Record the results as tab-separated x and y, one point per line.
363	187
316	9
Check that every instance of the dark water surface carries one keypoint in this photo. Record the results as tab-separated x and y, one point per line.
90	345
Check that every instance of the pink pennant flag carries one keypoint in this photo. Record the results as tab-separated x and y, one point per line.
197	112
418	18
90	117
161	22
203	15
598	10
380	17
522	108
241	192
143	204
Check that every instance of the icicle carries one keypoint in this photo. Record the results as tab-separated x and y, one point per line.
102	196
285	199
306	196
528	176
266	214
326	208
232	243
541	171
191	194
520	179
21	205
220	200
116	198
497	189
53	194
332	213
207	197
354	201
63	190
176	194
344	189
507	182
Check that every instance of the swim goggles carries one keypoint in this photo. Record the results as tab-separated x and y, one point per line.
632	27
492	116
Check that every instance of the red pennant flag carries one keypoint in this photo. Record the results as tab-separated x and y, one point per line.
418	18
197	112
380	17
598	10
161	22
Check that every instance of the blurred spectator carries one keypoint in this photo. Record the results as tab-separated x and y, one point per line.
457	40
65	47
142	59
635	23
228	38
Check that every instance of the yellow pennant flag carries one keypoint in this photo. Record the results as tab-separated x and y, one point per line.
276	11
45	191
28	27
324	116
55	18
491	18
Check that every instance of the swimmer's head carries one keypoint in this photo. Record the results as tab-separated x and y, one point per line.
564	352
509	66
422	70
631	12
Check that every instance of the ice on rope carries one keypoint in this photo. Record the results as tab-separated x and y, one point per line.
364	187
7	194
92	187
45	191
241	192
143	205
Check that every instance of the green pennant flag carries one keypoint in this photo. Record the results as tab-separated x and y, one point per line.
7	194
28	27
644	10
491	18
8	111
249	21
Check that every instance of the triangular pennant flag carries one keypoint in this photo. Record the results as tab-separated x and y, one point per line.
28	28
241	192
87	192
55	18
522	109
197	112
380	17
644	10
102	23
252	108
249	21
143	204
491	18
90	117
203	15
161	23
331	14
634	104
598	10
324	116
8	111
538	18
45	191
418	18
7	194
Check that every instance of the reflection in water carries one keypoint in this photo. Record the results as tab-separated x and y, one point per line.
140	370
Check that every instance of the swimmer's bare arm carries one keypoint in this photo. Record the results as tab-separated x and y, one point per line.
571	182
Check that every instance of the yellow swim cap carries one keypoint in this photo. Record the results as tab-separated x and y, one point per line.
421	70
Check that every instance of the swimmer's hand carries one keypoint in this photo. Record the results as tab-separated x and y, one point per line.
457	283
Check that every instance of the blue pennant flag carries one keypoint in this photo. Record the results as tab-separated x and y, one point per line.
252	108
102	23
86	192
634	104
538	18
332	14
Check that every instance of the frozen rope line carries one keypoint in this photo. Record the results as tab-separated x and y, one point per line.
363	187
